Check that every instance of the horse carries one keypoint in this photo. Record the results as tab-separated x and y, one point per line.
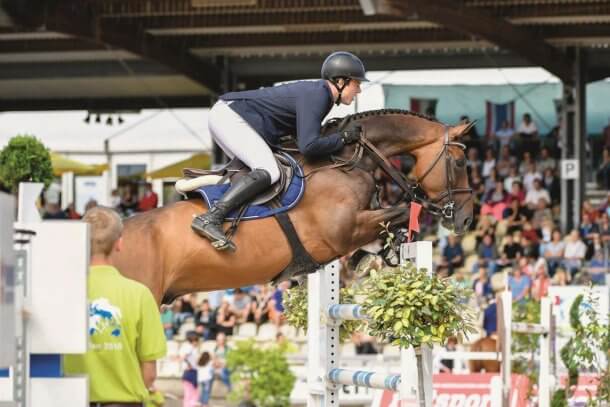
333	218
486	344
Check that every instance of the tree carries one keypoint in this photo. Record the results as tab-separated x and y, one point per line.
25	159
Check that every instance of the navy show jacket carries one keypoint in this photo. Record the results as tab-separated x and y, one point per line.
295	109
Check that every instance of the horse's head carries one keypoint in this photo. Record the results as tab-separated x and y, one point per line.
440	171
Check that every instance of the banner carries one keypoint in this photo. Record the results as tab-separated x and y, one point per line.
496	114
463	390
424	106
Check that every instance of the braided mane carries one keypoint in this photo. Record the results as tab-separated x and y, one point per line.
335	121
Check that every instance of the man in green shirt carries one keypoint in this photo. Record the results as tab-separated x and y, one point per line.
125	332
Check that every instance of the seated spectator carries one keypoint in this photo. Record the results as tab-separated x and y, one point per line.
546	230
505	162
446	365
489	162
485	226
517	192
604	207
588	231
205	321
504	135
490	181
545	161
525	163
530	241
603	171
519	285
260	303
276	307
167	320
517	216
511	252
482	286
527	139
590	211
574	253
473	163
225	319
183	309
488	253
530	176
513	176
453	256
541	212
604	229
535	194
490	318
552	184
541	281
240	306
553	252
524	265
598	266
71	212
495	201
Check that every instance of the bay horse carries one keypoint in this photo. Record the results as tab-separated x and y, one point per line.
333	217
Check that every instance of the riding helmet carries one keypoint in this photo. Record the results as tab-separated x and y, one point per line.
342	64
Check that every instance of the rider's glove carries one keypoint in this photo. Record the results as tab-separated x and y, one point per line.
351	135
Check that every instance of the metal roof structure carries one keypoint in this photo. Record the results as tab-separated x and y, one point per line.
129	54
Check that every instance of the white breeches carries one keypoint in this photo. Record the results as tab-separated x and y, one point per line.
235	136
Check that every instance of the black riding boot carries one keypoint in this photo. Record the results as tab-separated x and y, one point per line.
246	188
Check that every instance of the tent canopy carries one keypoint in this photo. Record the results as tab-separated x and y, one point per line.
62	164
202	161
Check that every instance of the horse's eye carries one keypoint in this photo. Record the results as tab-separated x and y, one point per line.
461	163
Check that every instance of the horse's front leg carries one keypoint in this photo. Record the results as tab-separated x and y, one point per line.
371	223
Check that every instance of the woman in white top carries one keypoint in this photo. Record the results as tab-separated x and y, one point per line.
489	163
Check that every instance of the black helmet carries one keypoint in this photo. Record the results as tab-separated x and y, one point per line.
343	64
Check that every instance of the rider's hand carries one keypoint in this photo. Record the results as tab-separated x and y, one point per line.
351	135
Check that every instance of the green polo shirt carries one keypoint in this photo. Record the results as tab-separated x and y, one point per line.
124	330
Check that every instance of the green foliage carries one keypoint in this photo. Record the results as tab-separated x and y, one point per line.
559	399
261	375
409	307
295	310
25	158
526	311
581	350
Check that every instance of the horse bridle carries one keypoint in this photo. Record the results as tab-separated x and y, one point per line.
412	188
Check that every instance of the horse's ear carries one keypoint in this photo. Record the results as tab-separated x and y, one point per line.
462	129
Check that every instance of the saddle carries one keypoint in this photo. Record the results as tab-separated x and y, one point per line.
196	178
277	200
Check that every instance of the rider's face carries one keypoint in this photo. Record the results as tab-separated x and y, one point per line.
350	92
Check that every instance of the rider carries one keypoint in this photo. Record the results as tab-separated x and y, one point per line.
244	124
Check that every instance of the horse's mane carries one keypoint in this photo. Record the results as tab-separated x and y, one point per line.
379	112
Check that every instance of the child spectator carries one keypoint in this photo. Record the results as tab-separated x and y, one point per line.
189	356
205	376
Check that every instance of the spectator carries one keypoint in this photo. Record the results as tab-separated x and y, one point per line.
545	161
149	200
129	204
490	318
519	285
525	164
561	278
225	319
485	226
490	182
489	163
495	201
513	176
535	194
189	356
260	304
511	252
482	286
525	267
553	252
473	163
219	363
504	135
589	210
446	365
453	256
276	307
121	359
205	321
71	212
488	253
588	230
505	163
603	172
183	309
517	192
115	199
598	265
517	216
604	229
205	375
167	320
530	176
552	184
574	253
241	306
528	134
541	212
541	282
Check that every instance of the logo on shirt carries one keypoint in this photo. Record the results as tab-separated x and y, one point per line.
104	318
